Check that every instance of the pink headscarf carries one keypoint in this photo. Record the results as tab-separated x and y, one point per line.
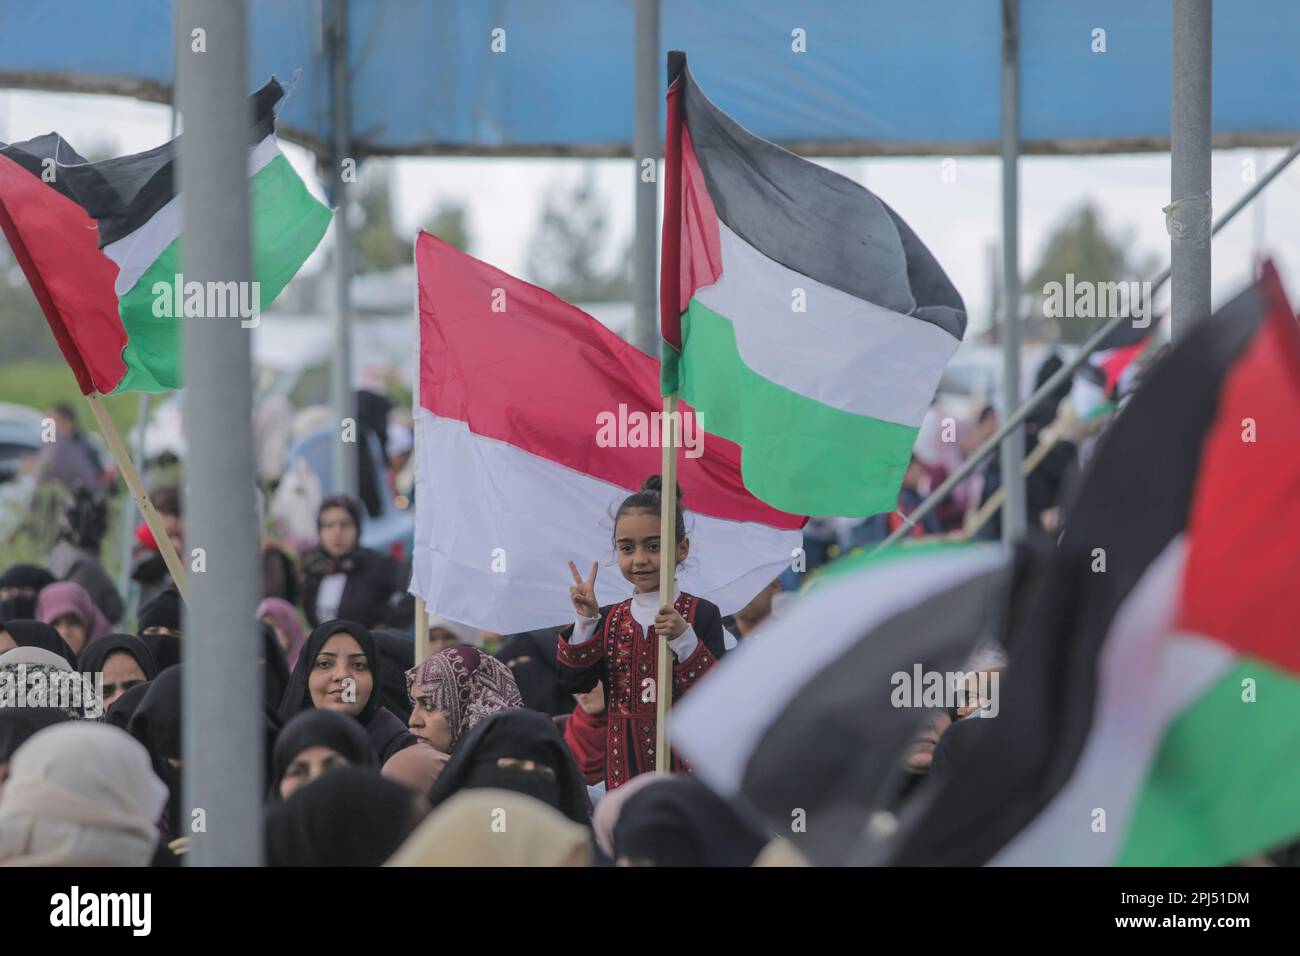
69	597
285	617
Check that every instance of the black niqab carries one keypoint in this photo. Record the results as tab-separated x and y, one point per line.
350	816
516	735
156	723
23	576
679	821
531	659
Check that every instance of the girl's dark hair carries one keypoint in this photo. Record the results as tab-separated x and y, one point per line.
650	500
346	502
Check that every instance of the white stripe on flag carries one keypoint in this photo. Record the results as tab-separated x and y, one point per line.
720	724
841	351
495	528
1146	678
135	253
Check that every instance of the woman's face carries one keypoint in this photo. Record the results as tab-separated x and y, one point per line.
121	673
308	765
430	725
72	631
341	678
338	533
7	643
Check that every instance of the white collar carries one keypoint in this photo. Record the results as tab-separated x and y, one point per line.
645	607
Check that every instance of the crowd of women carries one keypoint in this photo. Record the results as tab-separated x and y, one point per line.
524	756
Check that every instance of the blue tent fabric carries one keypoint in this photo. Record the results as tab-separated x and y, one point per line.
877	77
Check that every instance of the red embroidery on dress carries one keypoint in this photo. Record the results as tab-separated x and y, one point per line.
632	656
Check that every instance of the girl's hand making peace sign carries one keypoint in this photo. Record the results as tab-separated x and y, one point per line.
583	593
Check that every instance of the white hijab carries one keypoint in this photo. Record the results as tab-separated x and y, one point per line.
80	794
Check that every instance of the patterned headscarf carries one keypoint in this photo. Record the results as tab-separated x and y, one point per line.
18	678
466	685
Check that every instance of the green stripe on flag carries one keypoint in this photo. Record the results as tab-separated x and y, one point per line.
846	464
287	224
1225	784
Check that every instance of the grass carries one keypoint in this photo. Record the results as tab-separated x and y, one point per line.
41	384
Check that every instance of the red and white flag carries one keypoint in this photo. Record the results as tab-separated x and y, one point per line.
534	422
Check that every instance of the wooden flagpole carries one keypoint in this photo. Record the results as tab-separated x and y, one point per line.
421	631
141	497
421	611
667	569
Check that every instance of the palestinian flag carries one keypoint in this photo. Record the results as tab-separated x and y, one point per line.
1151	712
807	723
801	316
1098	381
534	423
100	244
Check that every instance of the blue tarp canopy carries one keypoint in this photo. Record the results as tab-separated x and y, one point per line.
877	77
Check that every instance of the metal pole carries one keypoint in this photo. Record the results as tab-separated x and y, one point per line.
223	722
1189	211
645	145
1013	449
973	462
346	472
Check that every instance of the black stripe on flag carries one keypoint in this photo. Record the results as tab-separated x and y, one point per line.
1134	500
803	726
32	155
814	221
125	192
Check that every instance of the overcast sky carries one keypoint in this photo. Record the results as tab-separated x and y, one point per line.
957	220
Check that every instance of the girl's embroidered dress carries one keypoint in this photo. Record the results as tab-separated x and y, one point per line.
620	648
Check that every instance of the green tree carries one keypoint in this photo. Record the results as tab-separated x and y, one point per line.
565	254
378	246
1080	245
449	221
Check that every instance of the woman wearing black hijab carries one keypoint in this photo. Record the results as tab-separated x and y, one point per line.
340	578
530	656
159	626
35	634
339	668
275	674
312	743
351	816
120	712
678	821
518	750
156	723
19	723
124	661
19	586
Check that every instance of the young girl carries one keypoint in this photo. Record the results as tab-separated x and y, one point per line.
618	645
